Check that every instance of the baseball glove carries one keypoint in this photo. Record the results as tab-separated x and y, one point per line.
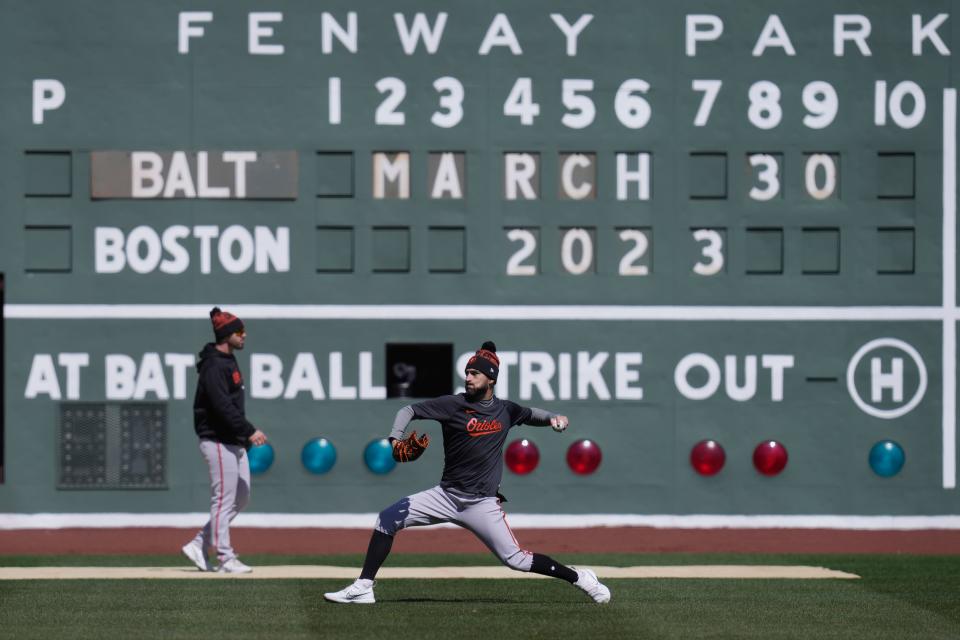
410	448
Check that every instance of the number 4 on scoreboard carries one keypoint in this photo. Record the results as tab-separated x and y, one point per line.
520	102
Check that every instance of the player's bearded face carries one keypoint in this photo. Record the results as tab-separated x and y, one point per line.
477	384
237	340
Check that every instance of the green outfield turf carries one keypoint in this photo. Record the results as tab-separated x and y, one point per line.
897	597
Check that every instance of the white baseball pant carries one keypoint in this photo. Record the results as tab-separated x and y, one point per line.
229	494
481	515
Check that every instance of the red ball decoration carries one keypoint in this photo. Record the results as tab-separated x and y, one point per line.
770	457
583	457
522	456
707	457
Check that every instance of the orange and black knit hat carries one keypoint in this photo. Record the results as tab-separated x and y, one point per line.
224	324
485	360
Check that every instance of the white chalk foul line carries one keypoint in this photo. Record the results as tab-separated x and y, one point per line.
285	572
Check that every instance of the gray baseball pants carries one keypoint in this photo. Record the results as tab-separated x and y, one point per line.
481	515
229	494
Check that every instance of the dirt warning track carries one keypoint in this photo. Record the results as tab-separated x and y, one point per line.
288	541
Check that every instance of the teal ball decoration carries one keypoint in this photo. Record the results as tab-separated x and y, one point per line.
378	456
318	456
886	458
261	457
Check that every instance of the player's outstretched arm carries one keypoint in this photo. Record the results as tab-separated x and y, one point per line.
541	418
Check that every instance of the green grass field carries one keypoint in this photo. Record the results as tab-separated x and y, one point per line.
898	597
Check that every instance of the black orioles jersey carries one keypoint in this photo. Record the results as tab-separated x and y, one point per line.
473	437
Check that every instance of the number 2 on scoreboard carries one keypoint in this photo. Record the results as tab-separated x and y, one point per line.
578	251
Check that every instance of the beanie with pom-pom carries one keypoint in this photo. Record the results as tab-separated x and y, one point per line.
224	324
485	360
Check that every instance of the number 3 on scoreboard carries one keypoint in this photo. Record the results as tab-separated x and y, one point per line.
712	251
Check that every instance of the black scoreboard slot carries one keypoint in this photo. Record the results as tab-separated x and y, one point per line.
419	370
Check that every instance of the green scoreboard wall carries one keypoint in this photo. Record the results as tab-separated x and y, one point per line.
679	221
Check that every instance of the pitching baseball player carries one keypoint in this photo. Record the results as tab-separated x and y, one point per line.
475	427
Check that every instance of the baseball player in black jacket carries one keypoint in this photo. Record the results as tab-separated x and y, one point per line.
225	435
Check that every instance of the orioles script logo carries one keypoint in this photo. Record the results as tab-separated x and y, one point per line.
478	428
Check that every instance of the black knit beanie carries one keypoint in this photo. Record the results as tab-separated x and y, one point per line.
224	324
485	360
